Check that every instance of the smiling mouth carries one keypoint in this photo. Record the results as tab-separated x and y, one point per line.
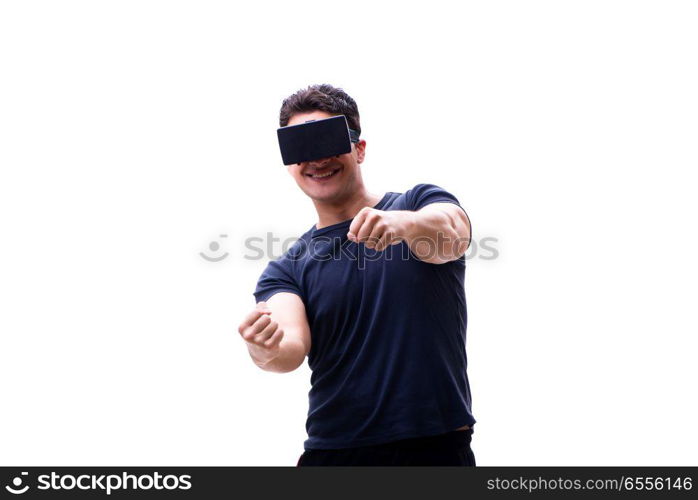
324	175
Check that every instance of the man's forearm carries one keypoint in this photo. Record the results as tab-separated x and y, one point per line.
291	356
435	236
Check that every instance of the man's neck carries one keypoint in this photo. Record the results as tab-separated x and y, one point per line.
333	213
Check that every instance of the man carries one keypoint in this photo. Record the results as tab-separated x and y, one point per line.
373	295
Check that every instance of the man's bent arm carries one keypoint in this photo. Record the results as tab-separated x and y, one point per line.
438	233
288	310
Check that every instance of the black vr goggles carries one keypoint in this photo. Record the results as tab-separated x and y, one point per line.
316	139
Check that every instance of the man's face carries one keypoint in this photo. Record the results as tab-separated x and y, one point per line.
328	179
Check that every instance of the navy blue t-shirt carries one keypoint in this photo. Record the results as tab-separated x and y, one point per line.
388	330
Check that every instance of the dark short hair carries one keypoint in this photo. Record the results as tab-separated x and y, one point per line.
323	97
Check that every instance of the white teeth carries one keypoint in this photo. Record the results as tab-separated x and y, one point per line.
317	176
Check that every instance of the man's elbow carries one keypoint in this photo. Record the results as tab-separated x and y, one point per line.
448	245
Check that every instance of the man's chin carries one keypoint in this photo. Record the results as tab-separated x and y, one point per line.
325	195
329	192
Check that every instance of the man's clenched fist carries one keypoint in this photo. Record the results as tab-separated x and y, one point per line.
378	229
262	334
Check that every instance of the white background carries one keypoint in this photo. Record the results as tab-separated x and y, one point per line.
133	134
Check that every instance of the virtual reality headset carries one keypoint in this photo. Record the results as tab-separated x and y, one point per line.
316	139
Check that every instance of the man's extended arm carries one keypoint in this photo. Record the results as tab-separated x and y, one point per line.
436	233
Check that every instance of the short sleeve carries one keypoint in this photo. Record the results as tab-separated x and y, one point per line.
277	277
424	194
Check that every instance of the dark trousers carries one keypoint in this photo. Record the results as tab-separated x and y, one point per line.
452	448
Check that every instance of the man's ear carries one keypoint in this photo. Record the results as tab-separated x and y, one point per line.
360	148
